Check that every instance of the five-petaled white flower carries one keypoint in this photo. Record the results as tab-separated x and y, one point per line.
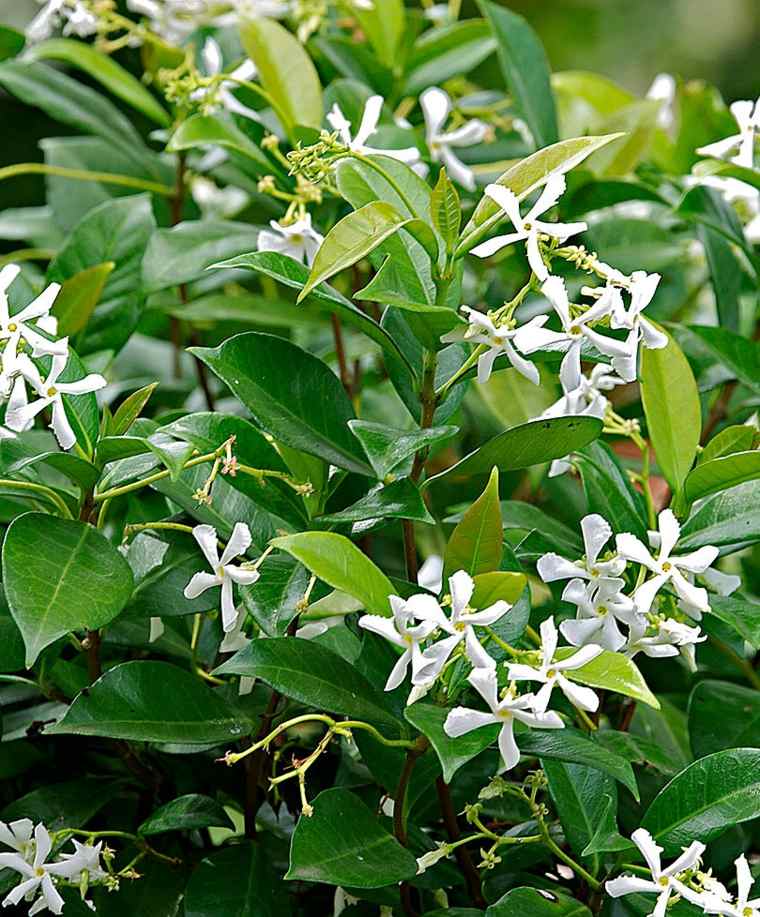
575	330
743	906
641	288
741	145
667	569
599	610
460	626
670	638
436	107
36	874
50	391
664	883
298	240
504	711
551	672
15	327
225	572
402	631
529	228
596	533
367	127
481	329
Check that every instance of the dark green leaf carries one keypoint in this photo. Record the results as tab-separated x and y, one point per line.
727	518
521	902
609	491
386	447
579	794
186	813
398	500
723	715
274	598
740	355
448	51
740	614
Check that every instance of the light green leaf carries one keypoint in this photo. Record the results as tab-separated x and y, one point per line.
722	473
385	28
340	564
611	672
450	50
129	410
734	438
477	542
343	843
208	130
78	297
672	408
149	701
445	207
60	576
313	675
286	72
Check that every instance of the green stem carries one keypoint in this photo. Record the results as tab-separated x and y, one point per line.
40	489
136	527
566	858
443	390
151	479
105	178
28	254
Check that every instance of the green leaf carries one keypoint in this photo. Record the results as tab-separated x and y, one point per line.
526	71
477	543
740	355
384	27
11	42
727	518
671	405
611	672
274	598
526	176
186	813
352	239
343	843
386	447
740	614
182	253
528	444
60	576
606	837
209	130
734	438
529	518
609	491
78	297
521	902
397	500
446	210
361	184
722	473
340	564
637	122
706	798
735	708
286	72
70	803
452	753
579	794
149	701
105	70
130	409
291	394
11	644
324	298
448	51
313	675
257	891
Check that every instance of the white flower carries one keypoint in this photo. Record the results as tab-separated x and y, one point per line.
402	631
73	15
462	720
367	127
575	330
596	533
664	882
156	629
743	906
667	569
588	397
741	145
298	240
50	391
430	575
599	610
84	859
18	835
222	93
529	227
461	626
498	338
436	107
663	89
641	288
671	637
432	857
15	327
217	203
225	572
551	673
36	876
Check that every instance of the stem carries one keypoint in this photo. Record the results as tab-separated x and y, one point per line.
340	354
92	643
104	178
462	855
40	489
399	822
28	254
473	358
134	527
567	859
152	478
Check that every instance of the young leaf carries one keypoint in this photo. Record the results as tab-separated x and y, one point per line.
476	544
313	675
446	210
671	404
526	71
340	564
343	843
384	26
612	672
721	474
60	576
78	297
130	409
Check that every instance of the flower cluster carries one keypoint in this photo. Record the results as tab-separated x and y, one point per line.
40	875
685	879
26	336
664	599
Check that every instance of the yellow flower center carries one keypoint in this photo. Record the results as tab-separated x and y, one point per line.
575	329
552	673
12	327
747	912
664	881
460	626
601	610
52	391
504	714
667	567
594	571
408	640
39	872
220	571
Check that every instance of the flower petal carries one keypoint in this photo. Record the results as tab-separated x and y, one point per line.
462	720
552	567
435	105
239	542
199	583
205	535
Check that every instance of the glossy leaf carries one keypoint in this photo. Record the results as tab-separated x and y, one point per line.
612	672
579	794
450	50
727	518
735	708
733	438
476	544
386	447
519	902
148	701
340	564
311	674
78	297
61	576
673	412
445	207
201	130
721	474
274	598
741	614
236	881
305	408
609	491
343	843
397	500
186	813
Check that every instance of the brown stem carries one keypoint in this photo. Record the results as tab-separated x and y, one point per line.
462	855
399	823
340	353
200	368
627	716
92	641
